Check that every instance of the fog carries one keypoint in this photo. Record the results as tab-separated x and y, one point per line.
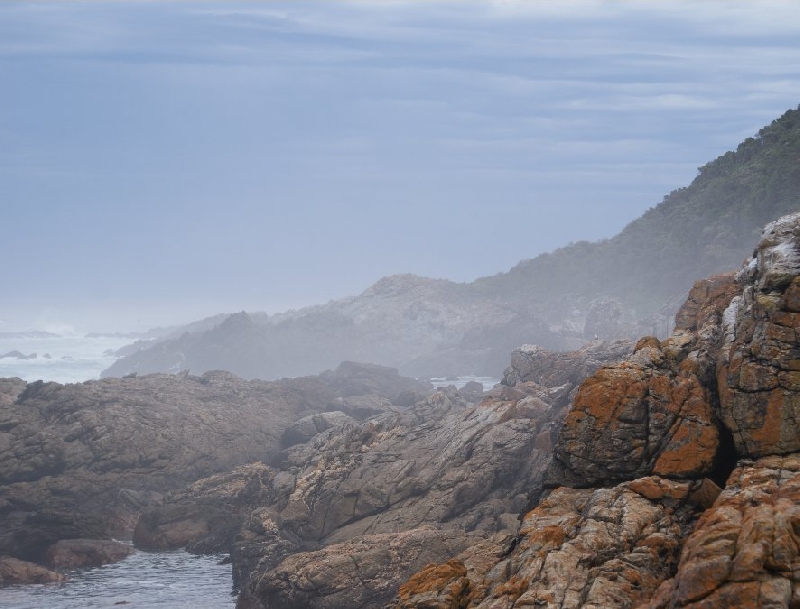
164	162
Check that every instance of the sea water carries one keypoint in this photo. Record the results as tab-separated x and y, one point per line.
61	358
163	580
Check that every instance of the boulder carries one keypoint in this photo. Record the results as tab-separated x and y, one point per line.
79	553
635	419
306	428
14	571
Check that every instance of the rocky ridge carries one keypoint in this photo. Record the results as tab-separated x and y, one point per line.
635	516
80	462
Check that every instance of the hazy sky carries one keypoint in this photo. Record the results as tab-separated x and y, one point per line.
160	162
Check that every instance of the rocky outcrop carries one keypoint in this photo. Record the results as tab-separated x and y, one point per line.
636	516
599	548
654	413
83	461
431	472
361	573
207	515
351	508
744	551
562	370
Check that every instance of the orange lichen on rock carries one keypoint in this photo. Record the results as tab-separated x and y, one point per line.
745	550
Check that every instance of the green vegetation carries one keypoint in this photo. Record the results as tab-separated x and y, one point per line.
708	227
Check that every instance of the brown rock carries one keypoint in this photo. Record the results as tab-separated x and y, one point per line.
364	572
79	553
15	571
579	548
436	586
631	420
706	300
744	551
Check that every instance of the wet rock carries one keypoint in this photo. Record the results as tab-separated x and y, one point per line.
79	553
14	571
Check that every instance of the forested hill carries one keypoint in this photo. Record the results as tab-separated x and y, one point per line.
702	229
624	287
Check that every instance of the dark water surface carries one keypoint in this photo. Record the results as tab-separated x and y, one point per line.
163	580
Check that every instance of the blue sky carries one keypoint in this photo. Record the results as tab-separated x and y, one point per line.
164	161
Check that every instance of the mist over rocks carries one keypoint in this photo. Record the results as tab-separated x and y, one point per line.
81	461
620	288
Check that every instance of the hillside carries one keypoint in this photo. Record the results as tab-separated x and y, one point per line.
622	287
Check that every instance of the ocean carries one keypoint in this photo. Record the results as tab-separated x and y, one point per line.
144	580
56	357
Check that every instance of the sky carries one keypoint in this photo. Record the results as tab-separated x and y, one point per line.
161	162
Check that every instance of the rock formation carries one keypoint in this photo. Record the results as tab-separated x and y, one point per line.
345	514
82	461
635	515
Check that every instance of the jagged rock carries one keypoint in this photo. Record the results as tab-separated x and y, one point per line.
744	551
443	469
759	370
14	571
435	464
207	515
306	428
78	553
638	418
609	547
531	363
656	412
361	573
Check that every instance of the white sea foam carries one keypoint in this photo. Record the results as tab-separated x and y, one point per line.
72	358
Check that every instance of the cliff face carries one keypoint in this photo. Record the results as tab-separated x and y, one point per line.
636	515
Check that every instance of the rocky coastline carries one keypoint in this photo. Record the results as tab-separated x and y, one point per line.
83	461
661	473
